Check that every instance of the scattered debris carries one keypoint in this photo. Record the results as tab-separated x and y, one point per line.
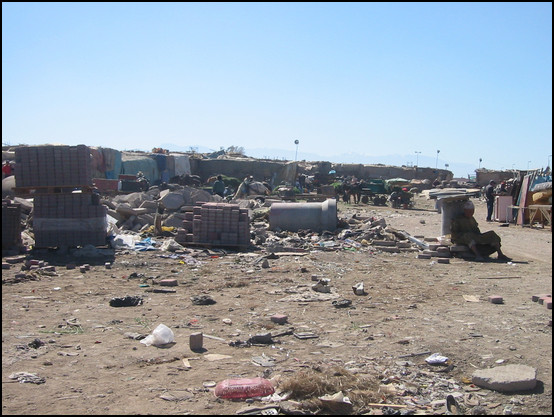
26	377
127	301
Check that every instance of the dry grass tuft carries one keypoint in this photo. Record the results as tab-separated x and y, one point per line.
308	385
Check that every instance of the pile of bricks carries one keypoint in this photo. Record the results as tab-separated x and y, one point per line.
11	225
61	218
220	224
53	166
69	219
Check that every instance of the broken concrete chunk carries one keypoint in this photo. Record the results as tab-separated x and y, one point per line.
172	201
507	378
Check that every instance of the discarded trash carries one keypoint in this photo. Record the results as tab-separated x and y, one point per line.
322	286
305	335
127	301
452	405
162	335
263	360
26	377
342	303
202	300
262	338
196	341
358	288
337	403
436	359
242	388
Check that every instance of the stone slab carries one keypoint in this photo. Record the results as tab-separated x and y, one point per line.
507	378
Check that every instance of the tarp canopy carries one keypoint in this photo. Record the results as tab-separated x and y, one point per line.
182	164
132	163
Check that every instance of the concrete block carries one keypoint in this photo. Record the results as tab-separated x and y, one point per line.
196	341
544	297
168	282
125	209
496	299
172	201
536	297
279	318
443	260
548	303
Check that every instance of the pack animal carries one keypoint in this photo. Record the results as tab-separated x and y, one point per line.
252	188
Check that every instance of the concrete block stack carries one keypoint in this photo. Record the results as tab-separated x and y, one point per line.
61	217
69	219
52	166
220	224
11	225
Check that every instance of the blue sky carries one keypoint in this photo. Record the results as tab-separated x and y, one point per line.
473	80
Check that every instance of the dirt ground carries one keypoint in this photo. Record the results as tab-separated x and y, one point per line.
62	328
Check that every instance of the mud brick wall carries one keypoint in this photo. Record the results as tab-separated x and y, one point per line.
69	219
11	225
216	224
50	165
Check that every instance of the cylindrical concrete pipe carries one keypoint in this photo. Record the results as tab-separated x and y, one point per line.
296	216
451	206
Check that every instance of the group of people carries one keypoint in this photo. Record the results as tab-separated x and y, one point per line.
401	198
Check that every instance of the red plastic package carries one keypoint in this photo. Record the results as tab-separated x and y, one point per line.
241	388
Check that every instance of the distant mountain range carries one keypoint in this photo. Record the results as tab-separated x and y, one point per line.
460	170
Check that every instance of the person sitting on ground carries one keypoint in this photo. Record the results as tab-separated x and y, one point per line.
219	186
465	231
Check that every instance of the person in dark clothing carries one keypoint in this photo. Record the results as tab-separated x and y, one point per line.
465	231
219	186
489	196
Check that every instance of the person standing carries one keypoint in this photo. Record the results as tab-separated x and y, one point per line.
489	196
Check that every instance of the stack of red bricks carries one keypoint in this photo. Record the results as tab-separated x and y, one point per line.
52	166
11	225
216	224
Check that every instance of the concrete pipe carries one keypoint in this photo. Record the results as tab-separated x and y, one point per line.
296	216
451	207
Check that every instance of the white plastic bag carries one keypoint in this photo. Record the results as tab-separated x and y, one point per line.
162	335
436	359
